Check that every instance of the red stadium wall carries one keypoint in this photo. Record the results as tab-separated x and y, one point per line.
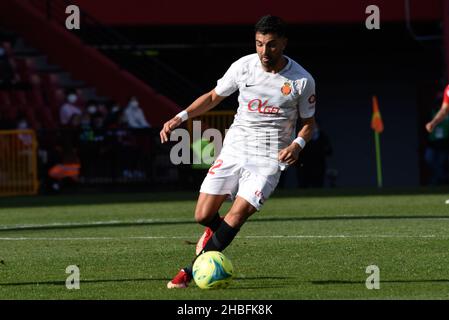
150	12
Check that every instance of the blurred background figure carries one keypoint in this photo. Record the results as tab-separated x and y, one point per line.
7	77
115	116
22	124
437	150
69	108
134	116
312	163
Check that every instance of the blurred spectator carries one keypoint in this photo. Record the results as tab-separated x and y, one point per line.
115	116
92	107
98	121
68	109
65	173
313	160
437	151
7	75
93	119
22	124
75	121
102	109
134	115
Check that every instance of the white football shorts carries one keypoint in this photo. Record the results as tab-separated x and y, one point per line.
254	182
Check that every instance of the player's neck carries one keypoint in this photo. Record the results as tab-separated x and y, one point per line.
278	66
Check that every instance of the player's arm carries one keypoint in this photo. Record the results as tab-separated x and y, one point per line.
441	114
201	105
291	153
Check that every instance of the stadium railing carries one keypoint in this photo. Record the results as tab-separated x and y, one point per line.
18	163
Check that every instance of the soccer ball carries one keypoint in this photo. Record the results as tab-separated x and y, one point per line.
212	270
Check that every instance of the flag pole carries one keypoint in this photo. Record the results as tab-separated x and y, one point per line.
378	127
378	159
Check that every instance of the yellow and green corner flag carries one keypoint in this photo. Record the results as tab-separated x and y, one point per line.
378	126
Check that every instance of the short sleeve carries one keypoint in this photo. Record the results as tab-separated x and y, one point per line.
227	85
446	95
307	99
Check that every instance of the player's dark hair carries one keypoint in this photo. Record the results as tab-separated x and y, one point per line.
271	24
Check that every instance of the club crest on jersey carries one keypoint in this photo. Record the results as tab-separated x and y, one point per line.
286	88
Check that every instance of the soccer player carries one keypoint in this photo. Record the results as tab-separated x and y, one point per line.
443	113
273	91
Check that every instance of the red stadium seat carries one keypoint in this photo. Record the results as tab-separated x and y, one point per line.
34	96
56	99
81	102
9	113
26	68
31	118
5	99
46	118
18	97
50	81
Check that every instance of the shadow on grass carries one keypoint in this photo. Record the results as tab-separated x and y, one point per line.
94	197
109	224
332	282
84	281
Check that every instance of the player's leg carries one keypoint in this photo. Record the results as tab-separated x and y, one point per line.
214	190
206	214
240	211
254	189
219	183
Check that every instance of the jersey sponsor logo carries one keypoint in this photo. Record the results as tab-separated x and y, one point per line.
286	89
256	105
312	99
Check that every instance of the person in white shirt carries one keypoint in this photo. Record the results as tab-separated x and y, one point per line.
274	91
69	109
134	116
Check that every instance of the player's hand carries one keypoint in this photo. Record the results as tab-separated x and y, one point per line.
168	127
430	127
290	154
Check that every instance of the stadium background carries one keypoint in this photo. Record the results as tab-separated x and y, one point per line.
174	51
129	240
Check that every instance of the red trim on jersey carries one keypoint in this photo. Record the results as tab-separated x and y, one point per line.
446	95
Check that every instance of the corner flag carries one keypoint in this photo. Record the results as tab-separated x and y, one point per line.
378	126
376	120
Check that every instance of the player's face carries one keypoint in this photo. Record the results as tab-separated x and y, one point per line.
270	48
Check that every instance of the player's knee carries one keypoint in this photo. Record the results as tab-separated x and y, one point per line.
202	216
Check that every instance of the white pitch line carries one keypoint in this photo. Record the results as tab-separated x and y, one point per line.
343	236
149	221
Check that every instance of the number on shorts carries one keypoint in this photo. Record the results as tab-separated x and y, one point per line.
217	165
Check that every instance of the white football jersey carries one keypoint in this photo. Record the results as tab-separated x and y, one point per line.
269	105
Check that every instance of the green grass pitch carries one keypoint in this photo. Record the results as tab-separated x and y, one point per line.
301	245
